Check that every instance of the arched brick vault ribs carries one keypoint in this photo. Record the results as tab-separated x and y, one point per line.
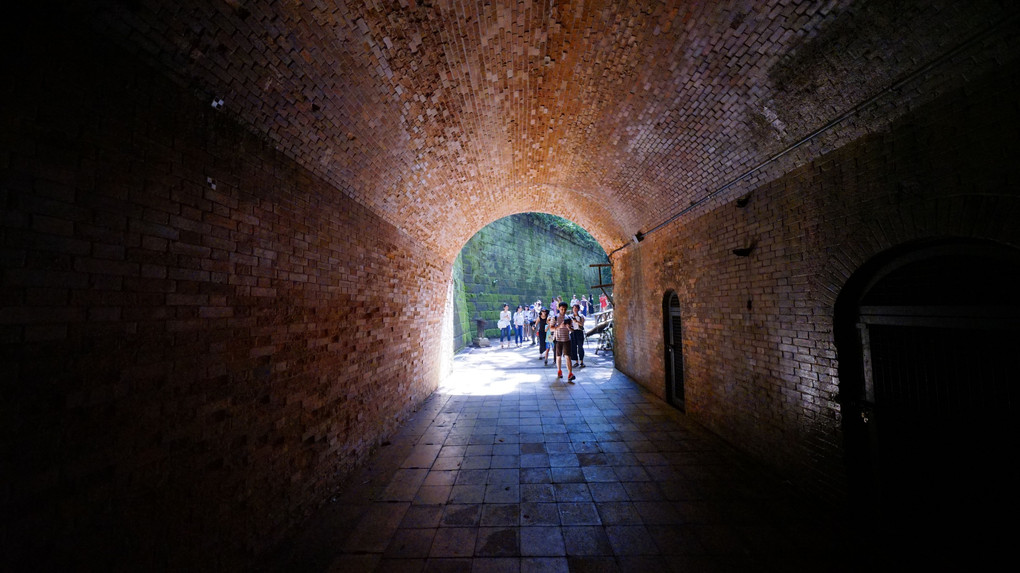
442	116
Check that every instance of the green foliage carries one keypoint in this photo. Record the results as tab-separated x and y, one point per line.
516	260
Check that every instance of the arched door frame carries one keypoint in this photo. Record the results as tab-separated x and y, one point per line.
856	388
673	350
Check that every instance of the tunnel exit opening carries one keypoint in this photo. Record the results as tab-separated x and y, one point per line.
520	260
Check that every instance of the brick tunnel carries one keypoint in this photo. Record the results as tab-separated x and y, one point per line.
228	230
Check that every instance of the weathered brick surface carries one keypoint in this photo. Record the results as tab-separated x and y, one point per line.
760	359
444	116
210	267
200	337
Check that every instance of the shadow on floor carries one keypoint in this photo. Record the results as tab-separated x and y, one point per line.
506	468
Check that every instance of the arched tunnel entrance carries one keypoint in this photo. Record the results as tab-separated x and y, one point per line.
521	260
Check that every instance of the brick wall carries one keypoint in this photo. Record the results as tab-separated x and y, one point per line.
199	338
760	361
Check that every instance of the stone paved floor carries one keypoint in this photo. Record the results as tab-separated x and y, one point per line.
505	468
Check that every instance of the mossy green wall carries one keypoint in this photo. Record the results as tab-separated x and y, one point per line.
517	260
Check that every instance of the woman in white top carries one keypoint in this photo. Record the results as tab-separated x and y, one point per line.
504	326
519	326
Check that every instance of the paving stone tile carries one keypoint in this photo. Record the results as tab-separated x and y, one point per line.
592	459
454	542
586	447
535	475
467	494
448	463
571	492
618	513
599	474
620	459
422	516
496	514
641	446
504	476
552	437
404	485
651	459
534	460
564	460
631	473
559	448
476	463
497	541
422	456
440	477
461	515
538	448
643	491
608	491
408	543
480	449
457	440
631	540
586	540
542	541
452	451
506	450
505	462
566	475
503	493
376	526
537	493
432	495
472	477
578	513
540	514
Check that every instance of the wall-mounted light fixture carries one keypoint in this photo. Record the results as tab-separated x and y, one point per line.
638	237
745	251
743	201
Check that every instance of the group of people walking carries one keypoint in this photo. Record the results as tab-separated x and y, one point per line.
559	328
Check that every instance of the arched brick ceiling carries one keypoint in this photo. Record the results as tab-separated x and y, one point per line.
444	115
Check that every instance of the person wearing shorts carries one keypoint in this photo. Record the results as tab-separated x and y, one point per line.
561	342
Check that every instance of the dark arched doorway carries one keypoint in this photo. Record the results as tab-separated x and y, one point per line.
673	342
927	338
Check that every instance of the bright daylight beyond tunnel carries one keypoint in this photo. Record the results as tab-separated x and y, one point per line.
524	262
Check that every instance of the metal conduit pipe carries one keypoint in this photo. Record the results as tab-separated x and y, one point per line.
938	61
